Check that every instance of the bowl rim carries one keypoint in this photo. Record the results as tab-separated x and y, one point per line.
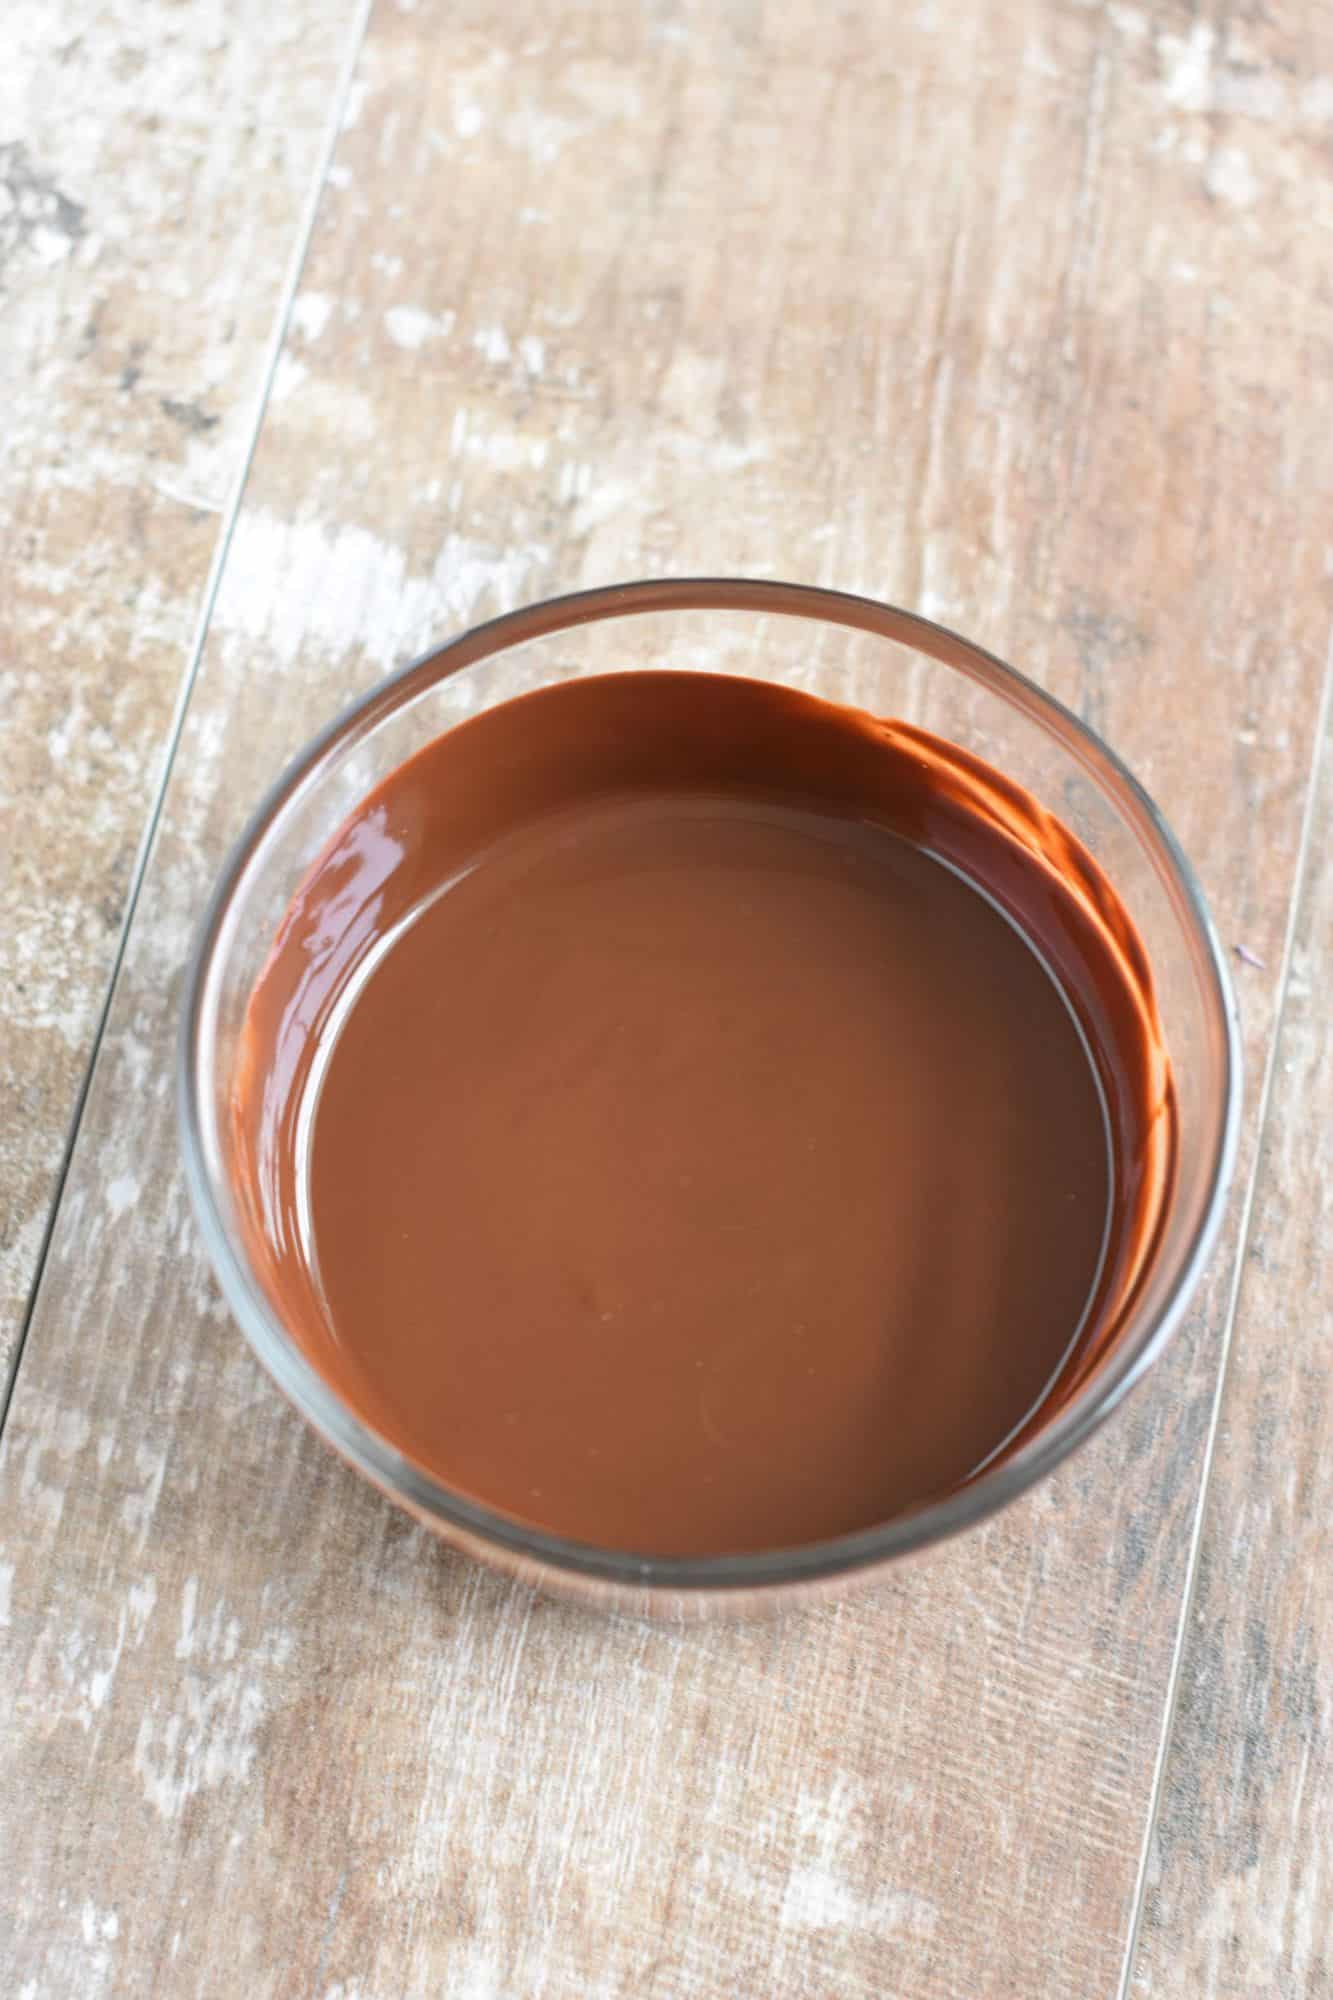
485	1530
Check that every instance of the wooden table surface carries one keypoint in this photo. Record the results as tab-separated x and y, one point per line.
326	329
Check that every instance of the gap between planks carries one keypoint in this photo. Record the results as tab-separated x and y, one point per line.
1321	772
276	341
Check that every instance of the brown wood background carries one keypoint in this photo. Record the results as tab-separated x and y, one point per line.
1021	315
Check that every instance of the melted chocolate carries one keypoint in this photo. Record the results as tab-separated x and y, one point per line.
692	1117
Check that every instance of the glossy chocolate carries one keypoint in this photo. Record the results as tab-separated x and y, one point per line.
692	1117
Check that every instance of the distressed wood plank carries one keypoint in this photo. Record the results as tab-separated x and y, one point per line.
677	287
155	160
1239	1899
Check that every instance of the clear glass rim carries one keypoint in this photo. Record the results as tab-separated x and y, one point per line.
373	1455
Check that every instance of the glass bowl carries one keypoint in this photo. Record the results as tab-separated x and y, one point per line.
846	649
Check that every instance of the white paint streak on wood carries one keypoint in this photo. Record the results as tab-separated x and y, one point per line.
298	585
492	343
1231	178
411	328
1203	72
197	1730
310	315
1187	67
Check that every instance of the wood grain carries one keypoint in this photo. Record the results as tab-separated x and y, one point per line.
154	164
1239	1902
983	311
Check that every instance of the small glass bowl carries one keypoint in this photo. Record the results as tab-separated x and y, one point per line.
846	649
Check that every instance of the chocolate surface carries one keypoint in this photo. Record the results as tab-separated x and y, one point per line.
692	1117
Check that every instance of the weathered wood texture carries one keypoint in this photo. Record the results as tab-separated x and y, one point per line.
1239	1902
987	309
154	162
